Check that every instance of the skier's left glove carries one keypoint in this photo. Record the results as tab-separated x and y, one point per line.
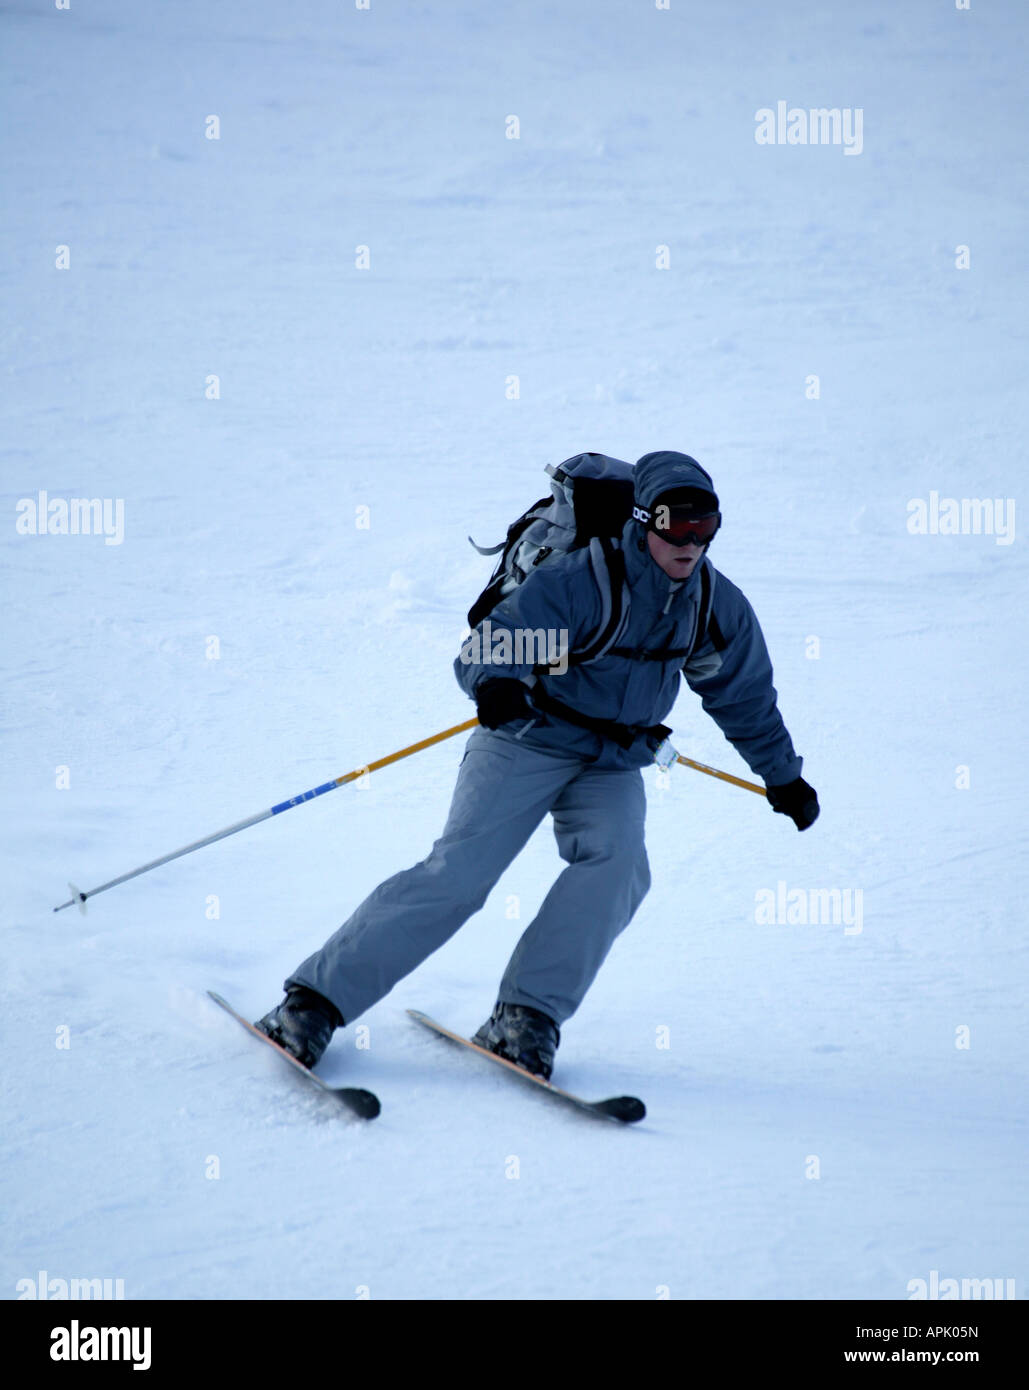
797	800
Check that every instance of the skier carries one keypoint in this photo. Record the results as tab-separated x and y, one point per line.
571	744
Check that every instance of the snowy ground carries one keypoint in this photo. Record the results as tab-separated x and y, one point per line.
794	1048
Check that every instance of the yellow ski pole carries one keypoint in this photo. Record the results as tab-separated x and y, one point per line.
79	897
724	776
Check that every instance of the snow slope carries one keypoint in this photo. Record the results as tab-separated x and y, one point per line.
387	388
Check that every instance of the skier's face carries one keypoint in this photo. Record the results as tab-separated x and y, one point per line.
677	561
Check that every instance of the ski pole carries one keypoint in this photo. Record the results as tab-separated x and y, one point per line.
79	898
725	776
666	754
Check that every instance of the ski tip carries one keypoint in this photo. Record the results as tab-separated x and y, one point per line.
628	1109
360	1102
363	1103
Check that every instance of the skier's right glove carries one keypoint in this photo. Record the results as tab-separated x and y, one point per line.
797	800
500	700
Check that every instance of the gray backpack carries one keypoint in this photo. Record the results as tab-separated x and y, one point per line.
591	499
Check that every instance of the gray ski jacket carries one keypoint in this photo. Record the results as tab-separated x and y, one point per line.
730	669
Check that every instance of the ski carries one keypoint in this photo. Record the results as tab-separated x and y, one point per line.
361	1102
625	1109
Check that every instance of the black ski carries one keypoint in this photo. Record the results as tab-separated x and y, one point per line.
361	1102
626	1109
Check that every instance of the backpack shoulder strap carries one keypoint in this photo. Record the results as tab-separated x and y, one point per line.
707	623
608	565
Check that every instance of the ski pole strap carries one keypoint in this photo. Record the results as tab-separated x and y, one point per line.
624	735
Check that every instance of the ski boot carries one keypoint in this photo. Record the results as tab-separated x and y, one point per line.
303	1024
522	1035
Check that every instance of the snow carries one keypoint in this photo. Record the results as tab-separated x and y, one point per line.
386	389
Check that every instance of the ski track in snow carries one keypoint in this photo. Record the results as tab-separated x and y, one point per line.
385	389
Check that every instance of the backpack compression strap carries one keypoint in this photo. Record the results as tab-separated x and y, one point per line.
495	589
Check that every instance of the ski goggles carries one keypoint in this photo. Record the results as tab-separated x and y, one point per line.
679	525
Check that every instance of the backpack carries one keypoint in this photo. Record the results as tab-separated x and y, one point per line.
591	499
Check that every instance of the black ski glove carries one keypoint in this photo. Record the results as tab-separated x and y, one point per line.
500	700
796	800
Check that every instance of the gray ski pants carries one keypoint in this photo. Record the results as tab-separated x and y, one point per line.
503	791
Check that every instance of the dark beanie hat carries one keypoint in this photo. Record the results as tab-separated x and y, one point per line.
666	472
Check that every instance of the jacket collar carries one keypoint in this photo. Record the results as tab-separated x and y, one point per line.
647	580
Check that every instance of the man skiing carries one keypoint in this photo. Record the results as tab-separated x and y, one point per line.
571	744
